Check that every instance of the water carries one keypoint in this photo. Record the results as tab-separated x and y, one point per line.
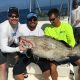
24	12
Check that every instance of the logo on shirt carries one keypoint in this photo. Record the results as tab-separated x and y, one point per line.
62	31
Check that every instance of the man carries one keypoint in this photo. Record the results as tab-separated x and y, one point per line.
76	20
63	32
8	31
30	29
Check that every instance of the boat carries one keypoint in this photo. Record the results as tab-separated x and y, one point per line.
34	72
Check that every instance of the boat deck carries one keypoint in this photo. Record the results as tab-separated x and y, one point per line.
34	72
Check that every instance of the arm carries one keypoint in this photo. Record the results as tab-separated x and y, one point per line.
70	36
49	32
4	41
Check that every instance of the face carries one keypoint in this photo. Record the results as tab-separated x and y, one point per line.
13	19
75	6
32	23
53	19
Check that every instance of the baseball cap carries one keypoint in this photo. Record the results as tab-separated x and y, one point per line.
13	10
31	15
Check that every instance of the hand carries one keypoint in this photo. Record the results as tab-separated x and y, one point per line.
26	43
22	48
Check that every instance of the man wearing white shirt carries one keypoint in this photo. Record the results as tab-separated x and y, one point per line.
24	30
76	20
76	24
30	29
8	31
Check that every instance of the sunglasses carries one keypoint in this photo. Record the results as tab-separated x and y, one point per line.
32	19
13	16
52	19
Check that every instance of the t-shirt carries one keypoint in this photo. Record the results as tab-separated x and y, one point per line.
64	33
76	16
25	31
8	35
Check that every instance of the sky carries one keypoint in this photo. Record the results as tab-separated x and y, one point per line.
23	4
5	4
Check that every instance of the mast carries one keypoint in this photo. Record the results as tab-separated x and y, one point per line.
30	7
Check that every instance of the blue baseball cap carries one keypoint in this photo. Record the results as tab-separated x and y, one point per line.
30	15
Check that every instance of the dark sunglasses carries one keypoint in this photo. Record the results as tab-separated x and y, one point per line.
52	19
34	19
13	16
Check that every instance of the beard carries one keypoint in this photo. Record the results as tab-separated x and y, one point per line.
53	23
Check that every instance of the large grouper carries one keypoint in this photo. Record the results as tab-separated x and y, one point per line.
51	49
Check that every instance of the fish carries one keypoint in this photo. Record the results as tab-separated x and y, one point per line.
49	48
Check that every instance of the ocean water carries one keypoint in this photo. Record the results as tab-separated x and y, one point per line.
23	13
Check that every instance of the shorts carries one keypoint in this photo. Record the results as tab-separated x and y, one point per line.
70	59
8	58
73	59
77	34
2	58
20	66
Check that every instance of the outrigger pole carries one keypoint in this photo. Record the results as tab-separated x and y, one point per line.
30	7
70	10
